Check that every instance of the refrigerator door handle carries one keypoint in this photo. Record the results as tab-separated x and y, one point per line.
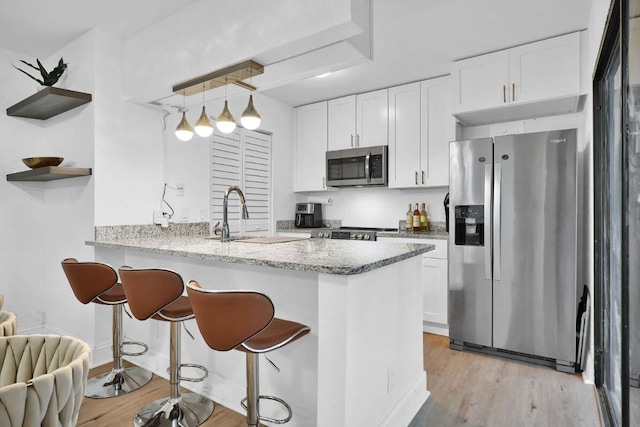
487	222
497	198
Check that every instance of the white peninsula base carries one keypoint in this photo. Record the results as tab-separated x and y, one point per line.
361	365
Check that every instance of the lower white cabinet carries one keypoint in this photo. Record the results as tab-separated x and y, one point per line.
435	282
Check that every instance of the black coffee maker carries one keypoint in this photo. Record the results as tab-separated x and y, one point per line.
446	210
308	215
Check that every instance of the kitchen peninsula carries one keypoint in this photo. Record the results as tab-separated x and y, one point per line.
362	363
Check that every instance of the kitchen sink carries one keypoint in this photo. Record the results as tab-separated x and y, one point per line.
231	238
261	240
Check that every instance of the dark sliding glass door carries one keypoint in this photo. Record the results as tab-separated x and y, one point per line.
617	215
633	165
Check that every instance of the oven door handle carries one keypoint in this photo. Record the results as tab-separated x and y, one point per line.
367	167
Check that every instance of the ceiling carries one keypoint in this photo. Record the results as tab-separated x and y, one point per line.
412	39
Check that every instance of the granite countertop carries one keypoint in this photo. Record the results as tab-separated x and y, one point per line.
430	234
341	257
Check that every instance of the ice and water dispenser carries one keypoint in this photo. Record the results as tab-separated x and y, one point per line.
469	225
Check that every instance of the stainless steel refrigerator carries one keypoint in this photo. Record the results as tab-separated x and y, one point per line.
512	246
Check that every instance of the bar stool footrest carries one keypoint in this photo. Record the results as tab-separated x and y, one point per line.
243	403
138	343
205	372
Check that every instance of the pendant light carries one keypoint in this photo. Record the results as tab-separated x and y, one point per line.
225	121
203	126
250	118
184	131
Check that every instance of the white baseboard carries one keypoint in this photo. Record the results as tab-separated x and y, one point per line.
409	405
435	328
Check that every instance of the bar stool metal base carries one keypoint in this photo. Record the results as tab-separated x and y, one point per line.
117	382
284	420
188	410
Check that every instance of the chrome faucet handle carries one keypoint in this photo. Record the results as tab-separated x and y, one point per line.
245	211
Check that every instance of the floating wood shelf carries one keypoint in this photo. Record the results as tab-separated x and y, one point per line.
48	173
48	102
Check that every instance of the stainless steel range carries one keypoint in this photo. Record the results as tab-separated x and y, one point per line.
349	233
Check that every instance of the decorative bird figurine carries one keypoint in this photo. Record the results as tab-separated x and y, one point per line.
48	79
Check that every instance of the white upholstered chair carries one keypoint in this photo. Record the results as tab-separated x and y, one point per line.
42	380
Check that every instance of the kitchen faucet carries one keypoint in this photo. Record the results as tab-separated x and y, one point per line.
225	203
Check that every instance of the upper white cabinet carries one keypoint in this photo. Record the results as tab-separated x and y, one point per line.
342	123
438	129
358	120
481	82
405	156
420	129
372	118
537	79
311	147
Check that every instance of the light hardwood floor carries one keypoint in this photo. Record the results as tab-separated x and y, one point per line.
120	411
470	389
467	389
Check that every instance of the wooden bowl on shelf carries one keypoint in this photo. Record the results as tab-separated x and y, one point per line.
40	162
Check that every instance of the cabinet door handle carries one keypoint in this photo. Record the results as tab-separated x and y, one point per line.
416	178
324	183
422	177
351	140
504	94
513	91
357	140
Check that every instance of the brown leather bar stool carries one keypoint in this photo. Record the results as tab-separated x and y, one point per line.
157	294
98	283
244	320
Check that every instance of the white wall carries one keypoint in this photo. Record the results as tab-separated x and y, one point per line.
375	206
44	222
68	203
128	143
21	203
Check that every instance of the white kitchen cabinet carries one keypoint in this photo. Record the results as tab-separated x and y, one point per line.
342	123
435	294
435	282
438	128
420	129
536	79
311	147
358	120
372	118
405	156
480	82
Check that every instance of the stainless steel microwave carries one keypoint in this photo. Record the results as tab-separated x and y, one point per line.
357	166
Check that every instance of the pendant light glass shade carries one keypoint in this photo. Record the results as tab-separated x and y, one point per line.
250	118
225	121
203	126
184	131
